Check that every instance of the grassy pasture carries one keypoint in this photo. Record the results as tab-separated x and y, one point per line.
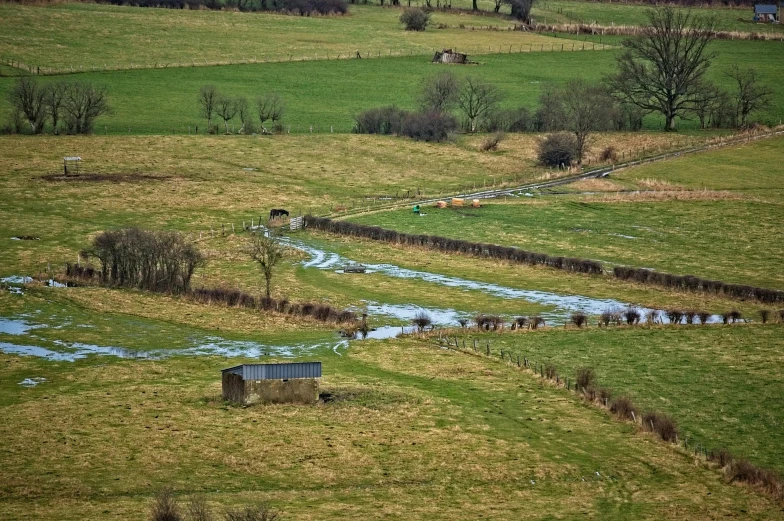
729	231
416	433
326	94
719	382
122	37
608	13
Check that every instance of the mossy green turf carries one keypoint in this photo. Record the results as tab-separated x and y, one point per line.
735	238
326	95
720	383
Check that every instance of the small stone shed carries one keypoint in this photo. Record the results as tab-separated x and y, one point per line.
248	384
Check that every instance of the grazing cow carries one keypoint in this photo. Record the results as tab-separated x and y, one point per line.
276	213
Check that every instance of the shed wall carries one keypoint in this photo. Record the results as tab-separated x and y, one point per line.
298	390
233	388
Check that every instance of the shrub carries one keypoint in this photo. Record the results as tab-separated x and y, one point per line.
415	19
586	377
428	126
491	143
579	319
721	456
550	371
422	320
744	470
674	316
690	314
536	322
604	395
383	120
764	315
164	507
735	315
663	425
252	513
652	316
704	317
623	407
632	316
520	323
609	154
557	150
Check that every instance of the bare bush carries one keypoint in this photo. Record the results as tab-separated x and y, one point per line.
422	320
663	425
745	471
579	319
198	510
586	377
428	126
520	323
439	92
550	371
690	315
164	507
675	316
609	154
632	316
704	316
764	315
623	407
652	316
490	143
537	322
383	120
557	150
261	512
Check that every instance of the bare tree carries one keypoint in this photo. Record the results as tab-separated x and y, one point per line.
439	92
750	96
226	108
712	97
267	252
521	9
208	98
477	100
28	98
54	98
498	4
82	104
243	111
270	108
663	69
586	109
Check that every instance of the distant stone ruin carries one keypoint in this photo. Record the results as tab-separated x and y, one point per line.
449	56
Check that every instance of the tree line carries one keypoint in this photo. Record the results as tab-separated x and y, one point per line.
213	104
297	7
662	72
63	106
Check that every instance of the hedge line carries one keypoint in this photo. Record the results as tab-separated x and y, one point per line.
691	283
445	244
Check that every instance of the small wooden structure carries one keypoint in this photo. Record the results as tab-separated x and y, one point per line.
297	223
767	13
71	165
247	384
449	56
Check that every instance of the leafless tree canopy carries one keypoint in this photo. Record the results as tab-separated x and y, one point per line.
270	108
267	252
208	98
750	96
54	99
521	9
83	103
439	93
29	99
477	100
243	111
662	71
156	261
226	108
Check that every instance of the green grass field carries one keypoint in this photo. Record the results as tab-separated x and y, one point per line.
124	37
718	382
729	232
416	431
610	13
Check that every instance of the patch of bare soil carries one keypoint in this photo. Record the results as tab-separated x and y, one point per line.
105	178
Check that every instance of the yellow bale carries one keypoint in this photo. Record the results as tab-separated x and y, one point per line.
475	203
441	204
456	201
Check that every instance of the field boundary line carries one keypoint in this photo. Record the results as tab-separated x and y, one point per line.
591	174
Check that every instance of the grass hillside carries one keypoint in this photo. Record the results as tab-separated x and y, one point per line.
712	215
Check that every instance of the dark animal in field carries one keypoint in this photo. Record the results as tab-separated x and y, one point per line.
277	213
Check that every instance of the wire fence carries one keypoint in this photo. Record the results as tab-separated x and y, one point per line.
46	70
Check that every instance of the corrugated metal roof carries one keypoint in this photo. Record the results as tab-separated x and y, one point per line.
766	9
277	371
